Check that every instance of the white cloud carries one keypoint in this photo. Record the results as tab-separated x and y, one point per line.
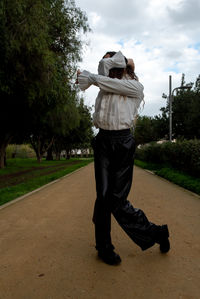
95	19
163	38
186	13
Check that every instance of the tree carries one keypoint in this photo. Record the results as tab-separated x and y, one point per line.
51	125
186	107
144	130
160	125
63	121
182	80
39	44
83	133
197	85
20	80
186	121
81	136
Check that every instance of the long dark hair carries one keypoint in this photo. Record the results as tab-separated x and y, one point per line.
130	72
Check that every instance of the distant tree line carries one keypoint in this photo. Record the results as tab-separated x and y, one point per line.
185	120
40	45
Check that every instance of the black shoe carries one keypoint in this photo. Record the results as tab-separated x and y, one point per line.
165	245
109	257
163	239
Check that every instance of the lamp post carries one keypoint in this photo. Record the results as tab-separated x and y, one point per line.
171	96
170	108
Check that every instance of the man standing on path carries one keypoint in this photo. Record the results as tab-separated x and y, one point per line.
115	109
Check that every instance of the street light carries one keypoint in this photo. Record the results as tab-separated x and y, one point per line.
171	96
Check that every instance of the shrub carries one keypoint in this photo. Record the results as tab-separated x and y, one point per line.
19	151
182	155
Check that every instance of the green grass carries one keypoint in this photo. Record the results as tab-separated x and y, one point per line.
19	164
41	176
182	179
146	165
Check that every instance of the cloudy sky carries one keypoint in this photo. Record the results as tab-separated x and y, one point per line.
163	38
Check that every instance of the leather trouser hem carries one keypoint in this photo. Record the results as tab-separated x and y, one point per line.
147	246
105	247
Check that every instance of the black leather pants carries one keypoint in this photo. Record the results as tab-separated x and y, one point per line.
114	158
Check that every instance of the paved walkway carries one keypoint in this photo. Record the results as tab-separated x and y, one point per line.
47	244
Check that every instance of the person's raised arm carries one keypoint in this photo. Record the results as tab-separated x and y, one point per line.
130	88
105	64
83	80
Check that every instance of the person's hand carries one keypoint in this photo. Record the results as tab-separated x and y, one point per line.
107	56
131	63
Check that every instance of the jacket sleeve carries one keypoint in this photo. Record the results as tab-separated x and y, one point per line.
125	87
83	80
105	65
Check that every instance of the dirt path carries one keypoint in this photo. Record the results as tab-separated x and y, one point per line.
47	244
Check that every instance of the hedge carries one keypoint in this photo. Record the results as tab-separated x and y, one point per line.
181	155
19	151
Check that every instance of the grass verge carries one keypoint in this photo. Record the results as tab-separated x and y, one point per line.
182	179
17	165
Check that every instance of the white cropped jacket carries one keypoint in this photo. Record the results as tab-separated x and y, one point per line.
118	100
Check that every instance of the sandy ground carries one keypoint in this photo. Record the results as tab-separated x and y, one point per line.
47	244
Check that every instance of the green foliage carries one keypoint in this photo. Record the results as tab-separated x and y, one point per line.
185	107
182	155
143	131
182	179
40	44
150	129
146	165
19	151
186	120
185	117
83	133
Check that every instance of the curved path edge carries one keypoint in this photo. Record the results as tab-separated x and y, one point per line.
13	201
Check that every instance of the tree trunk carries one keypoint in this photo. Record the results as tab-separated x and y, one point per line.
5	159
2	156
68	154
38	144
39	157
57	156
38	153
3	146
49	154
